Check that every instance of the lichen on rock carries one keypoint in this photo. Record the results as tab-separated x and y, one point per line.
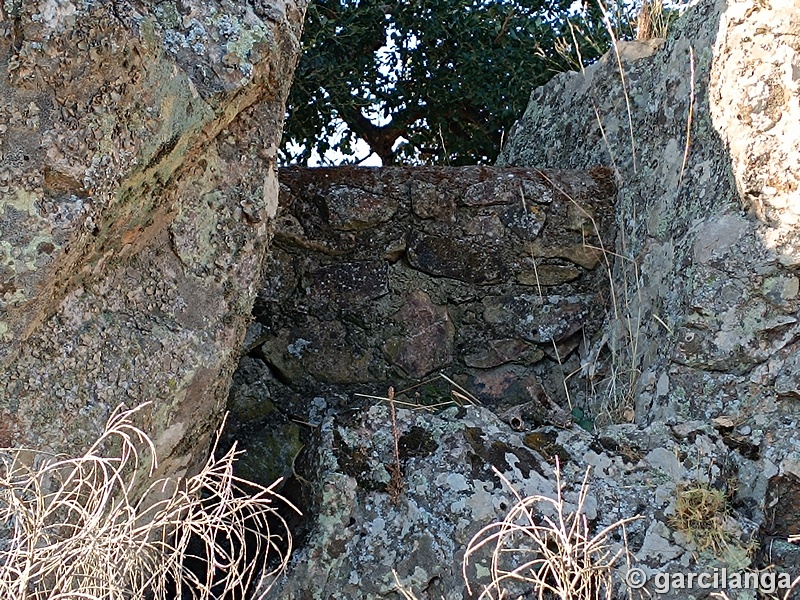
134	211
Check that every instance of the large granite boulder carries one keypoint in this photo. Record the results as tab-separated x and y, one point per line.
137	188
703	141
703	137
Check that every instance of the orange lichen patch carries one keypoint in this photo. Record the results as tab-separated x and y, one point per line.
58	183
139	237
130	236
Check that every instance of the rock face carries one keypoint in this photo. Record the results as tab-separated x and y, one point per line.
451	490
708	230
708	165
137	185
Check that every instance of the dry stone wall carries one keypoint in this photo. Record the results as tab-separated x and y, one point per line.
388	276
421	269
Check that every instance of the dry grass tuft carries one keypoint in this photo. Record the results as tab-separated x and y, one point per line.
702	514
654	20
79	528
396	485
541	548
612	364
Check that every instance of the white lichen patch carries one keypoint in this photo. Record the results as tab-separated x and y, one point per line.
53	13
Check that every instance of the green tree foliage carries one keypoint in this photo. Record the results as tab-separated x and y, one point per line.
449	77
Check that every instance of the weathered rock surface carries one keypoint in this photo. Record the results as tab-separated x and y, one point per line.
137	184
708	234
710	284
451	491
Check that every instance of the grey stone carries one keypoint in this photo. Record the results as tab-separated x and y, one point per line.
442	256
352	209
